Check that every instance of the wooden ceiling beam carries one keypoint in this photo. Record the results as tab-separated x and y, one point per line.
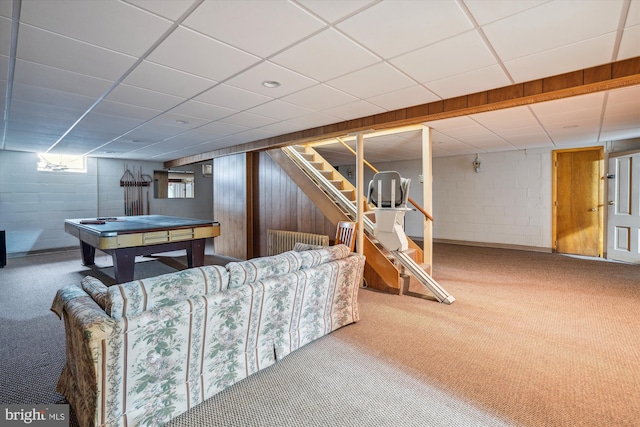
604	77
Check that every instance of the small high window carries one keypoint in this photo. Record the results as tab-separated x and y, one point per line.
61	163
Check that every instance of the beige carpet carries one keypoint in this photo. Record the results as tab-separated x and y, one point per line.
533	339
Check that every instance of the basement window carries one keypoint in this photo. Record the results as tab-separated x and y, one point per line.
61	163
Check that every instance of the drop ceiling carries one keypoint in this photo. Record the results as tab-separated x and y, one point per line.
161	80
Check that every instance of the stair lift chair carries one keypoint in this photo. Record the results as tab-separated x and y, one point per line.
389	192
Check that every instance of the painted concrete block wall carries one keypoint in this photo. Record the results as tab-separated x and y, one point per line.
508	202
34	205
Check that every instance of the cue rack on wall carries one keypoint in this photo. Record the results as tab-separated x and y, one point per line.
133	191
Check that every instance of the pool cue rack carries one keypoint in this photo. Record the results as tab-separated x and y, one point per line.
133	197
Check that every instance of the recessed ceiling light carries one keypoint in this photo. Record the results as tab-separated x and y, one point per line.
182	122
569	127
137	140
271	84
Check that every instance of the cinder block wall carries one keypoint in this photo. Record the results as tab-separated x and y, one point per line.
34	205
507	202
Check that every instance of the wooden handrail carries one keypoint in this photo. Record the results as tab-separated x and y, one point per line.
410	200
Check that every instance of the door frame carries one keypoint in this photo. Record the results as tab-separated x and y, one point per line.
554	196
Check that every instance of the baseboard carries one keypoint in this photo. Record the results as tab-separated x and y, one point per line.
42	251
494	245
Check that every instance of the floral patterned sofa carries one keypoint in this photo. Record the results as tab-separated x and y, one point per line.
143	352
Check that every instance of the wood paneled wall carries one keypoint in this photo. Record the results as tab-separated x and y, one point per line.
252	194
230	205
280	204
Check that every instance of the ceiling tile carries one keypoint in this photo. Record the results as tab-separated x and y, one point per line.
43	47
221	129
232	97
38	75
630	43
325	56
45	96
252	79
132	95
371	81
170	9
167	80
202	110
414	95
184	123
485	11
151	132
254	25
354	110
551	25
279	110
5	35
332	11
220	62
4	70
622	114
563	59
128	111
319	97
248	120
312	120
6	8
470	82
565	112
107	127
459	54
415	24
94	22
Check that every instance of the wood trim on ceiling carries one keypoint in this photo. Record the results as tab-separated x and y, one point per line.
604	77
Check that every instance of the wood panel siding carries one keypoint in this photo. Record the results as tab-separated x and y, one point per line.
230	205
589	80
280	204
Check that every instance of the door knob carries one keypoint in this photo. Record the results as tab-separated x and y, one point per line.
594	209
611	203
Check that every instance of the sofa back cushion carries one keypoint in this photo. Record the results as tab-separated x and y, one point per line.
244	272
128	299
315	257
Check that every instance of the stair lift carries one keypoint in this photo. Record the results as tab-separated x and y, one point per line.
389	192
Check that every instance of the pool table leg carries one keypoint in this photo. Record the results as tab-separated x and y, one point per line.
124	260
195	253
88	253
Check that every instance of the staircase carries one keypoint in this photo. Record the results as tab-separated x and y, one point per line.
397	271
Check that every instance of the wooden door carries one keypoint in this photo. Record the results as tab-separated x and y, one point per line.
578	210
623	214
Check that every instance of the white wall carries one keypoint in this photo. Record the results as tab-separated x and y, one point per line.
34	205
508	202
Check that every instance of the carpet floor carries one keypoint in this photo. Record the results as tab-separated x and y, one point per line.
533	339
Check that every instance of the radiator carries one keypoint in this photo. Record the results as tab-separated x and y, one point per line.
279	241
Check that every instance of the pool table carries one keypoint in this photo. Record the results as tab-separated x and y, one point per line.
126	237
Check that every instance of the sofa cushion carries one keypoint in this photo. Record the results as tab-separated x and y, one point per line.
96	289
312	258
244	272
300	247
134	297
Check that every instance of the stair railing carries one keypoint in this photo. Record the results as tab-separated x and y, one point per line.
345	204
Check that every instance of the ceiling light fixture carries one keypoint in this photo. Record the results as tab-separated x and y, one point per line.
271	84
182	122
